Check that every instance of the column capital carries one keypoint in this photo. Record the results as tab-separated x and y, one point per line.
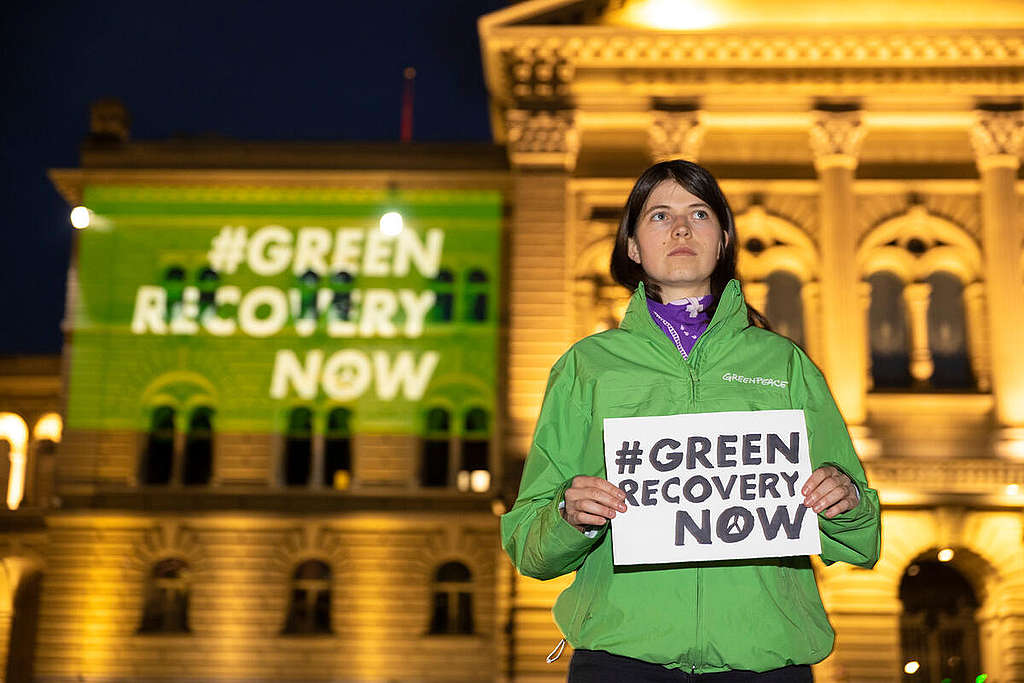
545	139
997	137
836	138
675	135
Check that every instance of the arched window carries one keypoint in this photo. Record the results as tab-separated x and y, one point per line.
166	602
341	299
443	286
158	458
199	447
208	281
434	468
474	470
174	285
937	627
887	320
338	449
476	296
308	284
453	600
298	447
784	307
309	611
947	333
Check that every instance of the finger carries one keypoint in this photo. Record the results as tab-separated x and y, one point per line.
833	497
823	488
590	506
817	476
599	489
848	502
583	519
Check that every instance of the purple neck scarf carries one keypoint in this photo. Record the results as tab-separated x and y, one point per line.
683	320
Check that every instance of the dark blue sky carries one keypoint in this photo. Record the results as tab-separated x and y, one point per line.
267	70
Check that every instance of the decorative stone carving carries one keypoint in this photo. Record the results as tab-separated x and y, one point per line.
998	134
543	138
109	121
675	135
836	138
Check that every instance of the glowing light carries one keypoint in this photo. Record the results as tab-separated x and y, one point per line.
391	223
677	15
913	570
497	507
1012	489
945	555
480	480
49	427
80	217
911	667
14	430
981	678
342	479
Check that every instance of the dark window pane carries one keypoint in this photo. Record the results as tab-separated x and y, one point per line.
439	618
784	306
158	459
452	572
887	319
464	616
435	462
199	448
947	333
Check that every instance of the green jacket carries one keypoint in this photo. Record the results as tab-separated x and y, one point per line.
701	617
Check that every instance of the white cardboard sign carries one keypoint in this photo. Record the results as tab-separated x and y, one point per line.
710	486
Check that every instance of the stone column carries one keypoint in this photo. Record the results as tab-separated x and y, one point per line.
675	135
997	137
810	297
180	441
835	139
977	334
917	296
542	149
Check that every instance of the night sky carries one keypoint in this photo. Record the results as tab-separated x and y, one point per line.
265	70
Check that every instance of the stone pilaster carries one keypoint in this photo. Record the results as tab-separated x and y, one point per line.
542	147
977	334
997	137
835	140
675	135
756	294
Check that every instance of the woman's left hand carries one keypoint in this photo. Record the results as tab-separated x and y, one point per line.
830	492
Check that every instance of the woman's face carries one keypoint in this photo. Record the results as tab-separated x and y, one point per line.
677	241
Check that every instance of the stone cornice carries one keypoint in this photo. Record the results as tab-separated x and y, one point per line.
71	182
987	476
542	139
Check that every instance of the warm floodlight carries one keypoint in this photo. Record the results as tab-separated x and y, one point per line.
480	480
1012	489
80	217
912	666
391	223
678	15
945	555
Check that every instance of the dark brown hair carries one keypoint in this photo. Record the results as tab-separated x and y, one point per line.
697	181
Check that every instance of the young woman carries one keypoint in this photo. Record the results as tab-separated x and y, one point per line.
686	332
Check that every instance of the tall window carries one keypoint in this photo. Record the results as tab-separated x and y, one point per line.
453	600
174	285
158	458
338	449
887	319
947	333
443	286
476	296
474	470
784	307
298	447
309	611
199	447
166	602
434	467
208	282
937	627
308	284
341	298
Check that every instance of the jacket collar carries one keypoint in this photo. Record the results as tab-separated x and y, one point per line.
731	314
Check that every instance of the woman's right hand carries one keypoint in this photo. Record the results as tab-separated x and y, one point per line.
592	501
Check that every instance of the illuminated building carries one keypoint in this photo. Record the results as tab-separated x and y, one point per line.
871	155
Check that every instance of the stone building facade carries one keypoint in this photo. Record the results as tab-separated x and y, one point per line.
871	156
